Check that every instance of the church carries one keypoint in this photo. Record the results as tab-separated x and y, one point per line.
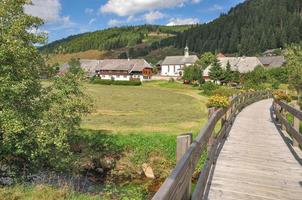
173	66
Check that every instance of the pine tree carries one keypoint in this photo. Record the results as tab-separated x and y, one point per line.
216	72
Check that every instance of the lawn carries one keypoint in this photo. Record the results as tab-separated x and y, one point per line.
151	108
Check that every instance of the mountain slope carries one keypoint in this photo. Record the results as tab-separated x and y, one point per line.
113	38
249	28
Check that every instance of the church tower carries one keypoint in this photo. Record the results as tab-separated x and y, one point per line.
187	51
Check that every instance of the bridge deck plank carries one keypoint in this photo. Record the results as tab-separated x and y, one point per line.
256	162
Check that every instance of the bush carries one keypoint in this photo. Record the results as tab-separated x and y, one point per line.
132	82
282	96
276	85
225	91
217	101
96	80
209	87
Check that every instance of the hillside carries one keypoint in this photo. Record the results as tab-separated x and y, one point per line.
123	42
249	28
114	38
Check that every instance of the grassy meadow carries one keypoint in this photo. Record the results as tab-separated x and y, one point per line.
132	125
151	108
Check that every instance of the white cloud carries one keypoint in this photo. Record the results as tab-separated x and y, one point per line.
115	22
153	16
216	7
89	11
196	1
49	11
92	21
132	7
182	21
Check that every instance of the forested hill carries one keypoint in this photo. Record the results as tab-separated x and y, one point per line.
251	27
115	38
247	29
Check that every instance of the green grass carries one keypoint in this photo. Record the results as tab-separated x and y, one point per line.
134	125
150	108
42	192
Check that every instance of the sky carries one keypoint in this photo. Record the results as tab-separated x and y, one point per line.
69	17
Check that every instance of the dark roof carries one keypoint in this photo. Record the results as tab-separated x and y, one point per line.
272	61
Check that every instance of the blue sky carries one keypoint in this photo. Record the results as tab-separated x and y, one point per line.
68	17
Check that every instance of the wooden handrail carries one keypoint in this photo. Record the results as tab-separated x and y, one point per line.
176	185
280	109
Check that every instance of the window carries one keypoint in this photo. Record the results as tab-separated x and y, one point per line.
125	76
117	76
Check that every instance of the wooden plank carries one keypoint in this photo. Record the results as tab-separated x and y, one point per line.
255	162
176	184
183	144
296	127
292	110
291	130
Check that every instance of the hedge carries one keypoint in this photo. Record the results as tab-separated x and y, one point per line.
112	82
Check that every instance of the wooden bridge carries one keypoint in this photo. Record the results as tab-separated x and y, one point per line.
255	155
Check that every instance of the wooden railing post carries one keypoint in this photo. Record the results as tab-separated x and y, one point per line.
183	144
283	113
296	126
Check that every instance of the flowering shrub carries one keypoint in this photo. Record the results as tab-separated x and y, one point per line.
217	101
282	96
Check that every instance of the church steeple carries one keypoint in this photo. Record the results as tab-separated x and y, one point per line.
187	51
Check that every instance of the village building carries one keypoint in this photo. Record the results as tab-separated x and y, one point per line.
115	69
241	64
173	66
124	69
272	61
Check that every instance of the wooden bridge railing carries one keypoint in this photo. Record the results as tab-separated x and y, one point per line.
292	128
178	185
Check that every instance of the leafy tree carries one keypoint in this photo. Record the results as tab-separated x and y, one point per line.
34	120
216	72
206	60
193	73
294	64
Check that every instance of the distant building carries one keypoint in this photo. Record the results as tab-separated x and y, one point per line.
115	69
124	69
241	64
272	61
173	66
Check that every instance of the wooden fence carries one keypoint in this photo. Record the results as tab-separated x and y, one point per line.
281	110
178	185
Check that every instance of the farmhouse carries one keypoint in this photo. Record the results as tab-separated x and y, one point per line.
173	65
241	64
124	69
272	61
115	69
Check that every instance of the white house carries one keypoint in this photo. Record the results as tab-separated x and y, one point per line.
173	65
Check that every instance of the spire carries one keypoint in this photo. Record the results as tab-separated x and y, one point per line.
187	51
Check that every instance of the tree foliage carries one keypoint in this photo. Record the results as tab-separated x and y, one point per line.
294	64
216	72
34	120
249	28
